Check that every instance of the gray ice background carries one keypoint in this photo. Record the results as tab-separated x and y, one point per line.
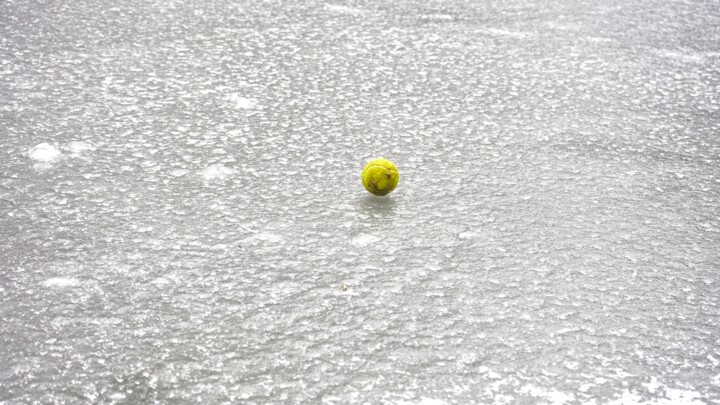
180	202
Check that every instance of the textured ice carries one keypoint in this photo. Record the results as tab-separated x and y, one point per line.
198	232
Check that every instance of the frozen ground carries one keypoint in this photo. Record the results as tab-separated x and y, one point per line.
180	202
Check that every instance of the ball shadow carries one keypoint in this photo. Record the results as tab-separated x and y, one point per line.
374	205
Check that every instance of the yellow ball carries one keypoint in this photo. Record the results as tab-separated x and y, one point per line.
380	176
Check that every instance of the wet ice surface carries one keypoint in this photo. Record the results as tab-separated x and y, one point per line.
180	202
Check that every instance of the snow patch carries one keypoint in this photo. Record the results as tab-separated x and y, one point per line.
424	401
161	281
553	396
77	147
243	103
505	33
653	385
44	152
47	154
339	8
437	17
468	235
489	373
431	401
683	397
61	282
673	396
217	172
266	237
364	240
685	56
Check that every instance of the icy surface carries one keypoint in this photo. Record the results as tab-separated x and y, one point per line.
180	202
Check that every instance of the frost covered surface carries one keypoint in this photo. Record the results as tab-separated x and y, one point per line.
180	202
